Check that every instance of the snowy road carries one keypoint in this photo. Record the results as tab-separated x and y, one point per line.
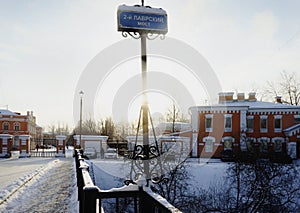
51	189
12	169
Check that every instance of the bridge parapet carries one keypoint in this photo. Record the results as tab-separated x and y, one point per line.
90	197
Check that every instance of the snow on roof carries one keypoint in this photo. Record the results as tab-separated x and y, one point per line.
260	105
177	125
292	130
250	105
91	137
7	112
296	126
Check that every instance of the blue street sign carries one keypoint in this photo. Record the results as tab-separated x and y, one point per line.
135	19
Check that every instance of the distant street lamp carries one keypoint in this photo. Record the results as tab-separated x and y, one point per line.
80	122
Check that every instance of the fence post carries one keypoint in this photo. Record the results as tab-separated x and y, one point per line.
90	195
80	183
145	204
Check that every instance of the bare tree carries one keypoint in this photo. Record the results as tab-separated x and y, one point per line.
272	88
174	115
59	129
261	186
122	130
288	87
108	127
89	127
177	189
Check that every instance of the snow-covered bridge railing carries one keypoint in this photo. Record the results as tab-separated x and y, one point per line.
137	198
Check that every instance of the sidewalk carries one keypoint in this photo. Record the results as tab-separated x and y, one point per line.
52	189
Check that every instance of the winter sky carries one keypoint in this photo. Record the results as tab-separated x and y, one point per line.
46	45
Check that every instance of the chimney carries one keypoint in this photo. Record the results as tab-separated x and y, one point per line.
278	99
225	97
241	96
252	96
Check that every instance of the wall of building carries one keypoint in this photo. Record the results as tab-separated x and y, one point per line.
239	109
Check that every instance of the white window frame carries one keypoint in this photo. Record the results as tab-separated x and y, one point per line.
228	138
277	139
260	140
210	116
5	124
278	117
263	117
250	143
296	117
16	124
228	129
211	140
16	141
250	117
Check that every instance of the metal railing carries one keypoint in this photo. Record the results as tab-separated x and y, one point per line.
43	154
137	199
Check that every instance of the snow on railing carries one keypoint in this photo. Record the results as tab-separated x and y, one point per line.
90	196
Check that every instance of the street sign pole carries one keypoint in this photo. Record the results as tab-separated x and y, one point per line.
145	107
142	22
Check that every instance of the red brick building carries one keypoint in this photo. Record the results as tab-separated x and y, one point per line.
18	132
245	125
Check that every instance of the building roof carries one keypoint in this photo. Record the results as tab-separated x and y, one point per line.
250	105
177	125
295	129
7	112
260	105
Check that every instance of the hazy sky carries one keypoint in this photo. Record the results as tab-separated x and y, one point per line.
46	44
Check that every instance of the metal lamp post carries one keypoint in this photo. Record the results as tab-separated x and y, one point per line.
80	122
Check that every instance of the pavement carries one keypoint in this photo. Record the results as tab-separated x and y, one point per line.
40	185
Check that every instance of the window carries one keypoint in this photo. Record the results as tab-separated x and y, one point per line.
228	142
208	123
228	123
16	141
277	123
250	144
16	126
297	119
264	144
250	123
5	126
209	143
278	144
209	146
263	123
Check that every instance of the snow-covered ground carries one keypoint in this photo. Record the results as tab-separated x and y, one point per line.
14	172
49	184
112	173
38	185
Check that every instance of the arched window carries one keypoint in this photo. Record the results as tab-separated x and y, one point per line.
264	144
250	144
228	142
278	141
17	126
5	126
